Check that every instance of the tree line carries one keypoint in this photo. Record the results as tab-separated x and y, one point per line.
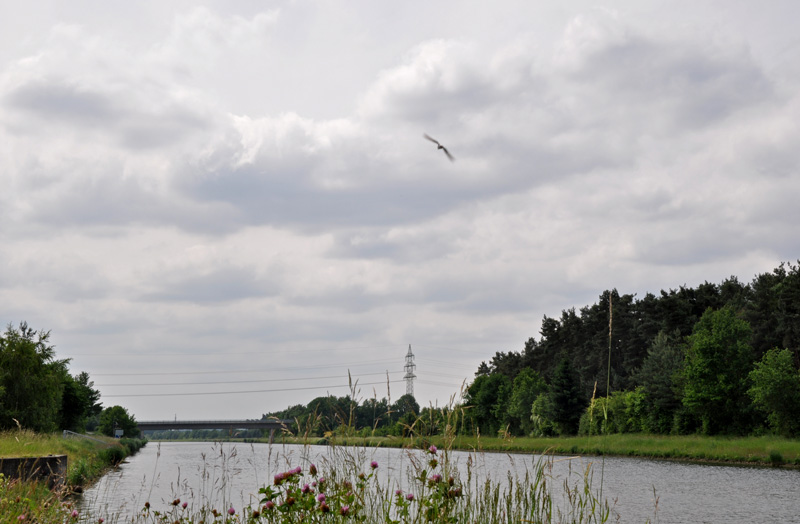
714	359
331	415
37	391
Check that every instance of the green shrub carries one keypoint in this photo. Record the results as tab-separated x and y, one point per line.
622	412
114	455
542	424
78	473
775	458
132	445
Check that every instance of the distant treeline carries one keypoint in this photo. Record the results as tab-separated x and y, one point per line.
343	415
715	359
718	358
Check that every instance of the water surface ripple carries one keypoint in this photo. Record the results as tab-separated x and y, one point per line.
230	474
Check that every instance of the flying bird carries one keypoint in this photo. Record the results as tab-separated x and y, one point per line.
446	152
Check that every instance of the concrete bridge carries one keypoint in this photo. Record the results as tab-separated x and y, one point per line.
230	425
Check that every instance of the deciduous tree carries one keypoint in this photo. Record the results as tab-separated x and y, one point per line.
30	380
117	417
775	390
527	386
716	365
486	398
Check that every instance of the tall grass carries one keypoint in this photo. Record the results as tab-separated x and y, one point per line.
344	486
23	502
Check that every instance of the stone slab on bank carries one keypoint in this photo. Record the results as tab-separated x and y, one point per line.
51	469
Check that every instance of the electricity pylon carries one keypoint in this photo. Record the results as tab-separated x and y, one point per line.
409	369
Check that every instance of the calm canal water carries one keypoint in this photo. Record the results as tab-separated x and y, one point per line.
225	475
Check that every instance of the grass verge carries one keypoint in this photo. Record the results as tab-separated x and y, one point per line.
764	450
87	460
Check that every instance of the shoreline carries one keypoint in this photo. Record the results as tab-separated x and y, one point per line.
768	452
87	461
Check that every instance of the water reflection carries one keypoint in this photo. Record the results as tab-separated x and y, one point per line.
227	474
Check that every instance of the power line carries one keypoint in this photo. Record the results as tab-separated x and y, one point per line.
138	384
219	372
234	381
214	354
240	392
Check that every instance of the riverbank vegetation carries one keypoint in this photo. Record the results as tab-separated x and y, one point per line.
49	398
38	397
756	451
765	450
718	359
87	456
715	360
37	391
343	485
87	459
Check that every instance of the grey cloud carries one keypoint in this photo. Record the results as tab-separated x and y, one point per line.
281	187
122	117
223	284
107	200
68	278
153	131
55	101
677	83
375	244
347	298
280	192
100	198
472	291
774	219
700	240
484	295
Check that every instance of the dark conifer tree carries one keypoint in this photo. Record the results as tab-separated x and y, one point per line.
566	398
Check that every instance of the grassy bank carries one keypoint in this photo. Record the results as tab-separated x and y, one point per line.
750	450
87	460
769	450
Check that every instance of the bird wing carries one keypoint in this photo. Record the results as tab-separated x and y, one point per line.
431	139
446	152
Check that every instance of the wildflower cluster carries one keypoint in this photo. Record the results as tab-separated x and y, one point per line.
294	497
298	497
23	502
179	512
437	500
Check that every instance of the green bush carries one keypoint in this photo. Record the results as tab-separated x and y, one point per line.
114	455
541	422
775	458
622	412
132	445
78	473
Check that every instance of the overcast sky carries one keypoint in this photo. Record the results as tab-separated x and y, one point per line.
236	196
